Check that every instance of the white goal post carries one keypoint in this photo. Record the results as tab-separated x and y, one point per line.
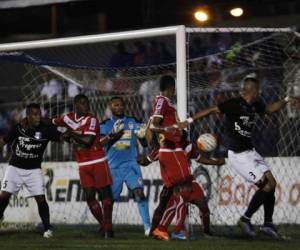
179	31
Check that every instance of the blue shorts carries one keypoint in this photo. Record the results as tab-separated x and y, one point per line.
130	174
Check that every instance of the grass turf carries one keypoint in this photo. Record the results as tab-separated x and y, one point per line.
130	237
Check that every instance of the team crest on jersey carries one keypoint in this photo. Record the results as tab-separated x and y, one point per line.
130	125
93	124
38	135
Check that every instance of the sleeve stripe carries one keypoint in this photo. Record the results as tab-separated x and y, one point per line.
161	116
89	133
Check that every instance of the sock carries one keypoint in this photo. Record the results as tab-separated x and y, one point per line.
269	204
44	214
168	214
160	209
256	201
96	210
144	212
107	205
3	206
205	213
181	213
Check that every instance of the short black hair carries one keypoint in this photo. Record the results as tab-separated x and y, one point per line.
31	106
166	82
78	97
117	98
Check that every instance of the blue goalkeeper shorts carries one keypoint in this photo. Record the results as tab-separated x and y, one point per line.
130	174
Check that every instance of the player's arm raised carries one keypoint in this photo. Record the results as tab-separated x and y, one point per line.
208	161
157	128
276	106
200	114
116	133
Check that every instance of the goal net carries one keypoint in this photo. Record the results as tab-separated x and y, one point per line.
215	62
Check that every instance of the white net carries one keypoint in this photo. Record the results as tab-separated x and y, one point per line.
53	76
215	77
216	63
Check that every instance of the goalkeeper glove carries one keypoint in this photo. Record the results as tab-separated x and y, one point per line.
141	131
117	128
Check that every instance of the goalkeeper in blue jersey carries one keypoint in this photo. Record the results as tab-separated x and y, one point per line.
122	153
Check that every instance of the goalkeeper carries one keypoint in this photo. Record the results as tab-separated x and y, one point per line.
122	155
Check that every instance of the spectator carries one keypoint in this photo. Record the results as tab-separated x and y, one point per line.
51	88
153	56
121	58
4	118
73	90
121	83
148	90
139	54
166	56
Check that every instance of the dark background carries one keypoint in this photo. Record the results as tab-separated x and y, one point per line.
90	16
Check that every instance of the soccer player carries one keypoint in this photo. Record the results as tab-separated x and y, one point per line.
197	199
122	155
174	166
83	132
242	156
28	140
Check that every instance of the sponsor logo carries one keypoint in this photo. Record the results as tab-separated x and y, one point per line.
130	125
38	135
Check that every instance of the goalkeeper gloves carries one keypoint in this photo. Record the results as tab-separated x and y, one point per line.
117	128
141	131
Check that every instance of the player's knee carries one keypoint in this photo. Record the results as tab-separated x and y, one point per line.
4	195
202	205
40	199
89	195
106	193
270	187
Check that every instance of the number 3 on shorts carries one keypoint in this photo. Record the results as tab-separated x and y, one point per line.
4	185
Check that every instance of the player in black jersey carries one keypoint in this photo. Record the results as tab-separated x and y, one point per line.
28	140
242	157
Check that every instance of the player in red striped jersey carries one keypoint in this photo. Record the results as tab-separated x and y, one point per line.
83	132
174	166
197	195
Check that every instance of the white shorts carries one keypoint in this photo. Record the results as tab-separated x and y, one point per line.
248	164
15	178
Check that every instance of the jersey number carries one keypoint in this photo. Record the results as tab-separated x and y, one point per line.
236	126
253	175
4	184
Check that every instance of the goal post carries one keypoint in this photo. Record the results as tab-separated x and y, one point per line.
178	31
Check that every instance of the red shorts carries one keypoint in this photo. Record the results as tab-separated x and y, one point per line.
174	167
195	194
96	175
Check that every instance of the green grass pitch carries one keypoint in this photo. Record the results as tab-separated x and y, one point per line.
130	237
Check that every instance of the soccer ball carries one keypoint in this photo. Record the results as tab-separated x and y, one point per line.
207	142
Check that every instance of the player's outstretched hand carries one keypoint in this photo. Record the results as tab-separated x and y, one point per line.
220	162
118	126
183	124
141	131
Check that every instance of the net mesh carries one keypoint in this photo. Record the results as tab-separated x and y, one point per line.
216	63
214	78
